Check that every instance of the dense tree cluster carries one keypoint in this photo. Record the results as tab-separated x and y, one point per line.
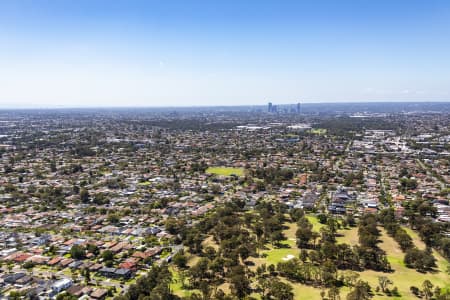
372	257
273	176
387	218
421	260
155	285
420	215
237	235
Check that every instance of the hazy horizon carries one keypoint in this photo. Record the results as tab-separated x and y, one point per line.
260	105
99	53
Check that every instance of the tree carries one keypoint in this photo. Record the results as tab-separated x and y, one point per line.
278	290
240	285
304	233
10	266
427	287
173	226
350	220
107	255
383	281
328	272
244	252
113	218
206	289
276	237
84	196
77	252
303	255
322	218
263	285
29	265
53	166
15	295
87	275
361	291
76	189
216	189
180	260
296	214
91	248
155	285
350	278
421	260
415	290
199	271
334	293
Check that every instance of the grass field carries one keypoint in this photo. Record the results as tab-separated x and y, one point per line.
348	236
319	131
315	222
225	171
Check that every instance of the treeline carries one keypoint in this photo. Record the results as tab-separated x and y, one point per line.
271	175
371	255
387	218
421	260
420	214
345	126
155	285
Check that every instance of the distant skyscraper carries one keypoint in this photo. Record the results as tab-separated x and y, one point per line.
298	108
274	108
269	108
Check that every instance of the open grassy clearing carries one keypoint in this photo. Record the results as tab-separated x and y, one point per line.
289	233
279	254
348	236
209	242
302	291
319	131
225	171
192	259
315	222
176	285
274	255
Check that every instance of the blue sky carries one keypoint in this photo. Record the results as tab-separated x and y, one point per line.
170	53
